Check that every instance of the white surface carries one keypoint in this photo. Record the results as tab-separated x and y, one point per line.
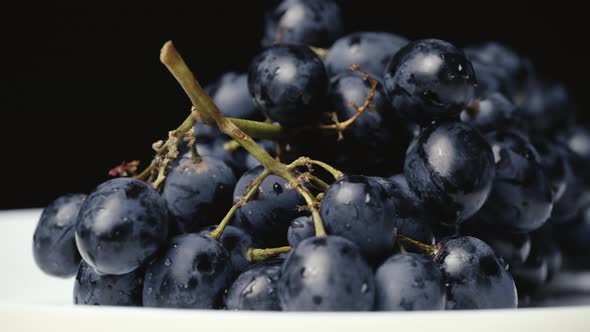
32	301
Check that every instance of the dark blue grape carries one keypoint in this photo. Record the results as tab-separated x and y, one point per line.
359	209
375	131
369	50
198	194
429	80
54	244
121	225
300	229
326	274
310	22
288	83
230	94
547	108
116	290
267	215
514	72
410	219
255	289
194	272
237	242
409	282
492	113
555	165
450	167
521	198
474	276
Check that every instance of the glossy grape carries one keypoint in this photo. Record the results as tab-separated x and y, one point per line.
116	290
450	167
255	289
193	272
121	225
288	83
409	282
474	276
310	22
358	208
54	243
326	274
521	198
429	80
267	215
198	194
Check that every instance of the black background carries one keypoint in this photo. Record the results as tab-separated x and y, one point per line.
85	89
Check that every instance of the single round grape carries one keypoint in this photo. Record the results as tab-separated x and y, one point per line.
289	84
310	22
429	80
450	167
54	243
267	215
198	194
121	226
358	208
474	276
300	229
237	242
410	218
521	198
255	289
115	290
369	50
409	282
193	272
326	274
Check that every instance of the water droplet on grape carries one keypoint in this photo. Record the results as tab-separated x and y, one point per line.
167	262
364	288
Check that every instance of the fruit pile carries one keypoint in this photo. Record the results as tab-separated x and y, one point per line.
357	172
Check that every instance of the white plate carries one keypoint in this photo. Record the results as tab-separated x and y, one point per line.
32	301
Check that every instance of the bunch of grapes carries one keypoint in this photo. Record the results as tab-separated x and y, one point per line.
340	173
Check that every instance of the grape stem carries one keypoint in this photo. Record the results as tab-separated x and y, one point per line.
205	110
322	53
258	255
427	249
305	161
252	189
340	127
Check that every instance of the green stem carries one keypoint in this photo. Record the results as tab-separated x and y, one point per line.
261	130
216	234
427	249
207	112
258	255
